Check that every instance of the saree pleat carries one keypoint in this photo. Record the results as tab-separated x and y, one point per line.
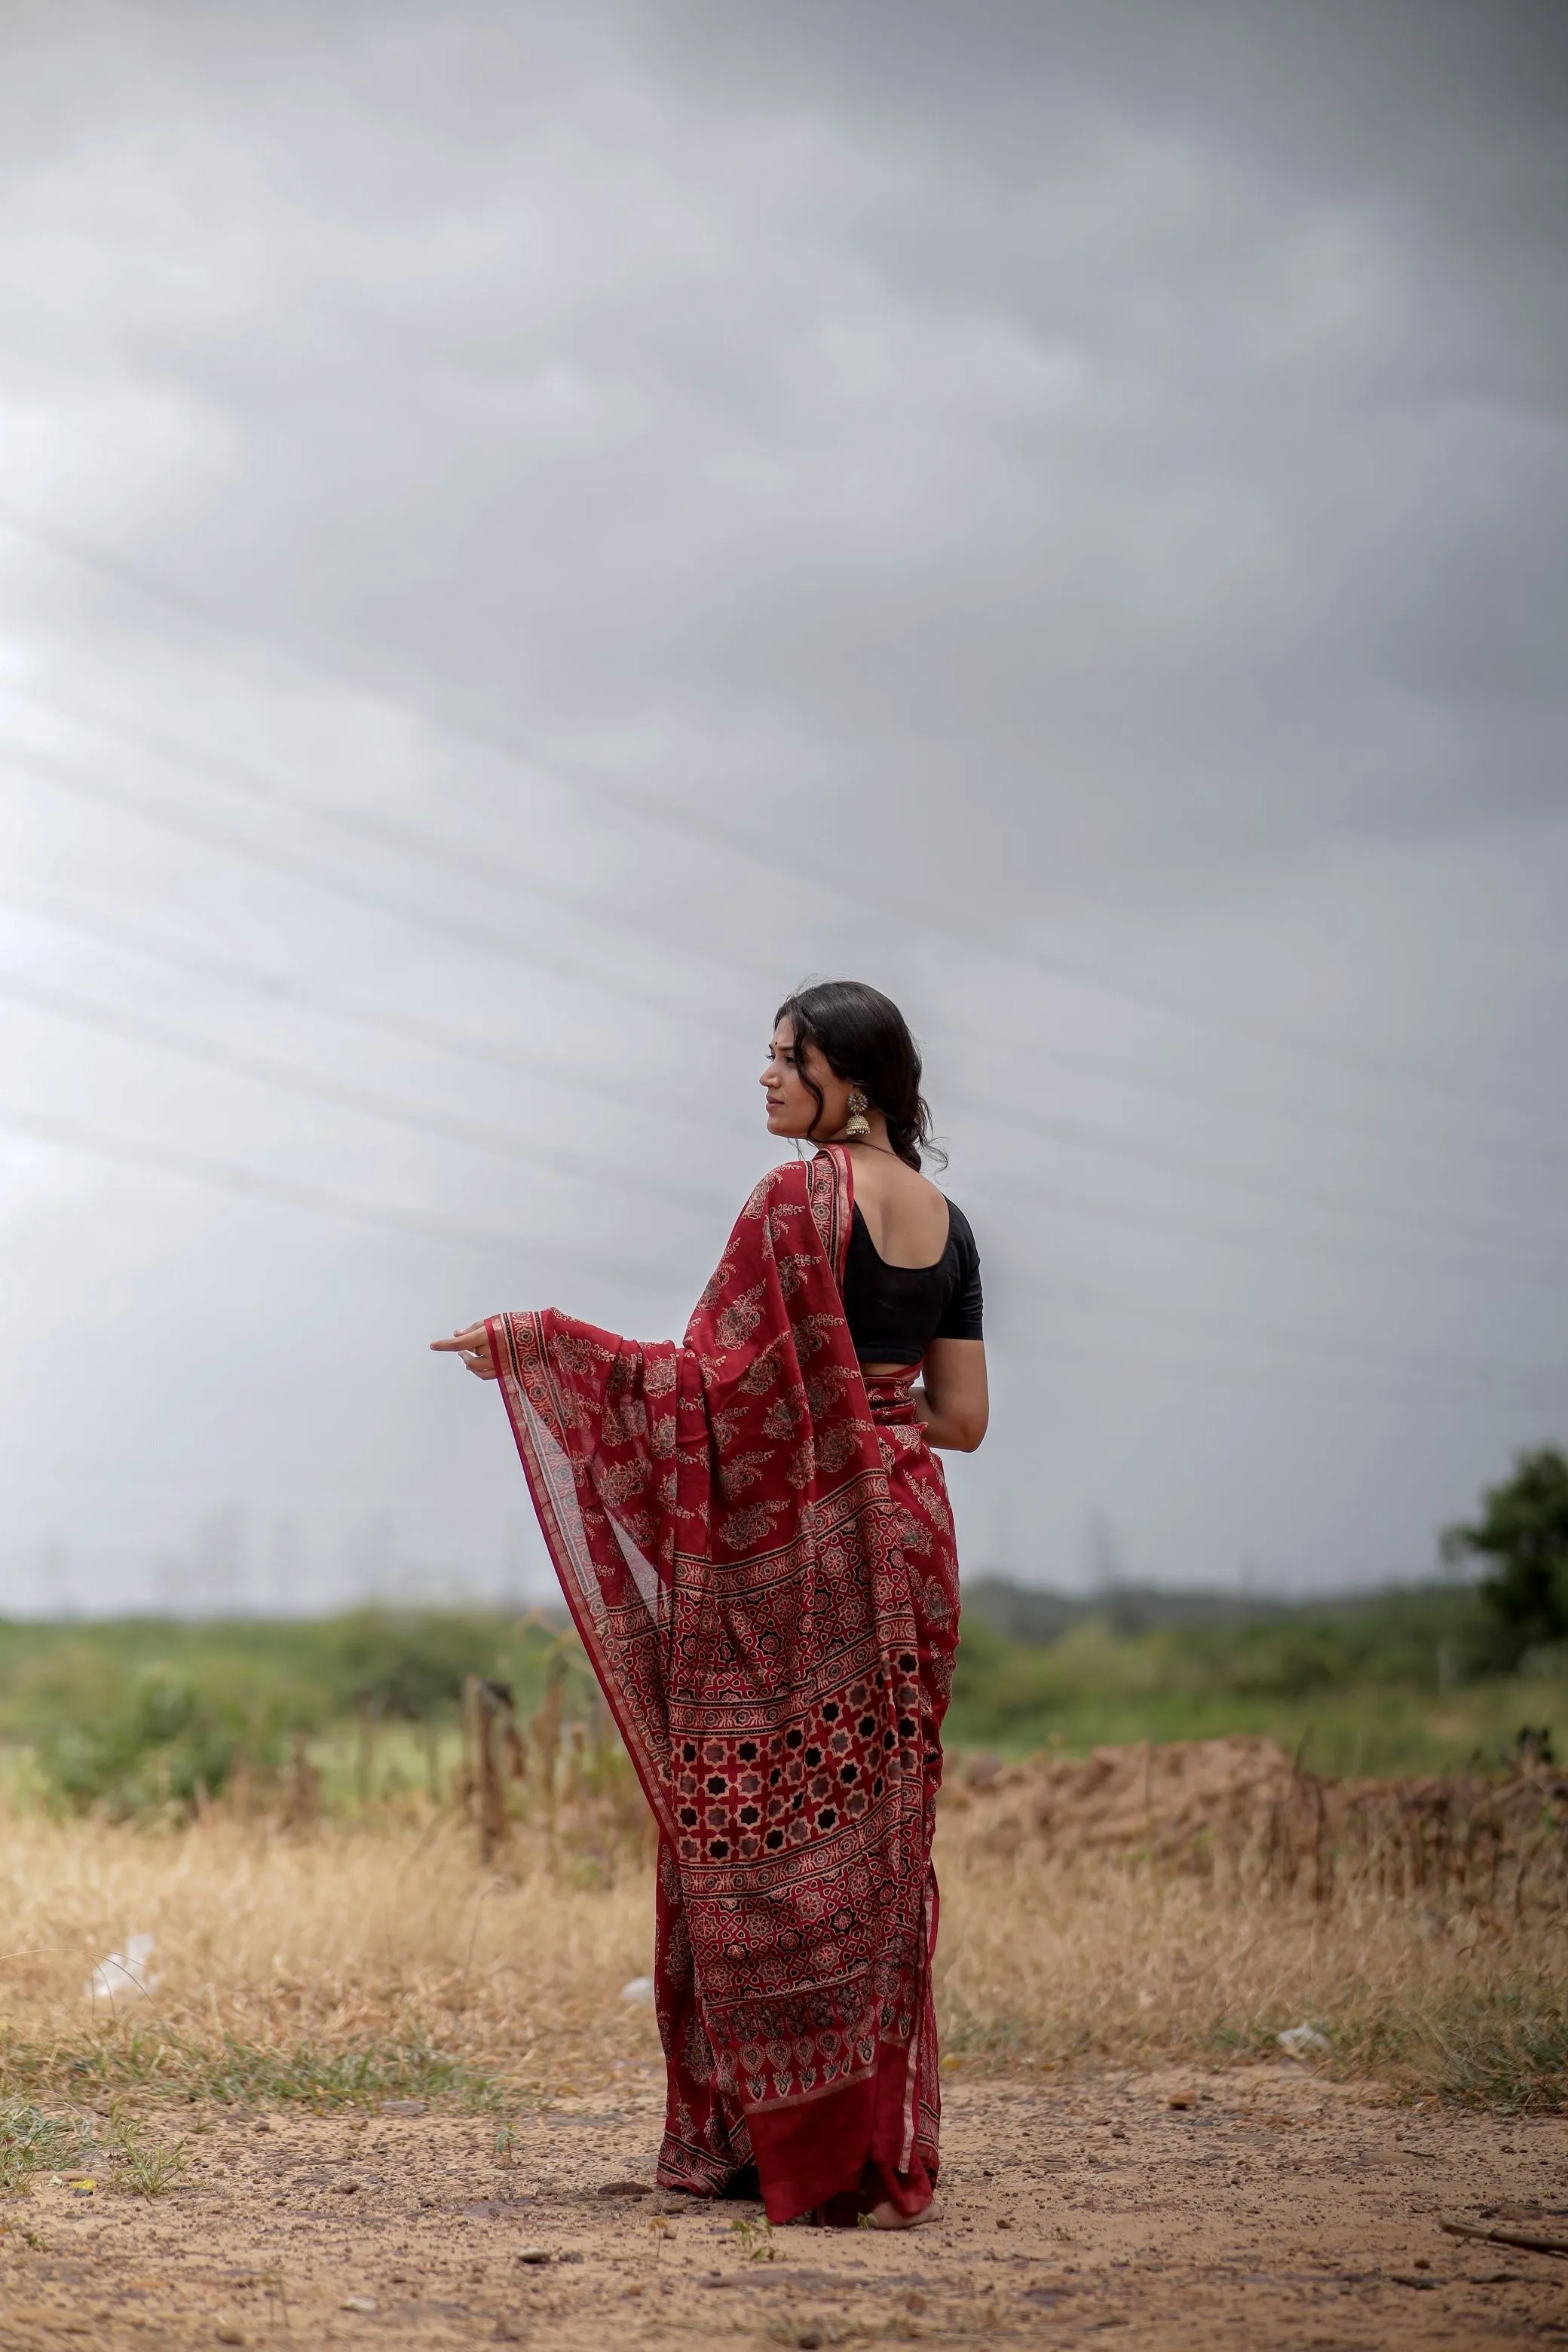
756	1548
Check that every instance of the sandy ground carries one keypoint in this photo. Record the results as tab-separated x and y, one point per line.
1270	2209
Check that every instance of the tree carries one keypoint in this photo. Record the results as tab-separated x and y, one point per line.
1522	1533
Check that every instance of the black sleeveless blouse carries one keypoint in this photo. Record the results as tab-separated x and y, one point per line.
894	1312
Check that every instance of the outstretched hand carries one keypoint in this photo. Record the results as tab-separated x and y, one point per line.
474	1347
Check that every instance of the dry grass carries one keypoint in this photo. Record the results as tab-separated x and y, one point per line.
355	1963
348	1962
1044	1961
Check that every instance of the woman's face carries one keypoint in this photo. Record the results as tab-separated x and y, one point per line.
792	1110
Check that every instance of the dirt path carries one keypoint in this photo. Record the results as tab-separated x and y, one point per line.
1271	2211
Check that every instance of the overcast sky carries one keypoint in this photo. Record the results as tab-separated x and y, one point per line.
526	529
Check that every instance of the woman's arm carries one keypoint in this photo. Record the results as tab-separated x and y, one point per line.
951	1401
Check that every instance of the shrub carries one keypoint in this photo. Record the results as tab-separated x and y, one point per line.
158	1740
1523	1534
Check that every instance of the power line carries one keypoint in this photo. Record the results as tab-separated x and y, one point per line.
430	848
232	1178
455	1128
1202	1092
1383	1069
286	988
253	1184
1446	1372
1080	1137
430	1223
214	834
475	937
1223	1372
369	1102
420	1030
425	846
1180	1225
659	811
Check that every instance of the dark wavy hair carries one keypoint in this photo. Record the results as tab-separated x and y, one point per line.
862	1036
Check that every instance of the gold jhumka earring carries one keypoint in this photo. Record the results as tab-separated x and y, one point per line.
856	1127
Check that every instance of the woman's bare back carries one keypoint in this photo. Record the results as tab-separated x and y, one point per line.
905	1214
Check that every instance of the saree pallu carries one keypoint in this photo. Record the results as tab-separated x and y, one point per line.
756	1548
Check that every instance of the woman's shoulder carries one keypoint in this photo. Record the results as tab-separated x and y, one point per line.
790	1182
795	1175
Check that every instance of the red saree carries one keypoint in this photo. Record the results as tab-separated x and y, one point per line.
756	1548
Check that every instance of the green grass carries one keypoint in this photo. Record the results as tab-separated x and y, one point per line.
1384	1685
1365	1730
402	1663
143	1717
32	2142
1500	2046
143	2165
148	1716
155	2061
124	2154
1506	2049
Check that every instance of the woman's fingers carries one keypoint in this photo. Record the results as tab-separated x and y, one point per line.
473	1345
474	1336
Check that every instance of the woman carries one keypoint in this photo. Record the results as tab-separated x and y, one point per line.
753	1535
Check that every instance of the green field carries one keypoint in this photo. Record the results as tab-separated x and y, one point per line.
1402	1682
148	1715
145	1714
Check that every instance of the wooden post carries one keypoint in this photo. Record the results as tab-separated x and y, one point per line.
303	1792
364	1768
489	1731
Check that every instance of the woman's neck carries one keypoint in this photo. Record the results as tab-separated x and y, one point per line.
877	1140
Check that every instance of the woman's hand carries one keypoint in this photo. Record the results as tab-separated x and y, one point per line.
474	1347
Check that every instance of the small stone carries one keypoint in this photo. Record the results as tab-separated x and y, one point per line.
262	2123
626	2189
227	2332
359	2303
1003	2223
346	2188
533	2254
1178	2099
405	2106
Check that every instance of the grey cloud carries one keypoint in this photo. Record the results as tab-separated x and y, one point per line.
1079	478
875	434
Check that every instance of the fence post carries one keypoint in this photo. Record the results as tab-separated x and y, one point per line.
490	1728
